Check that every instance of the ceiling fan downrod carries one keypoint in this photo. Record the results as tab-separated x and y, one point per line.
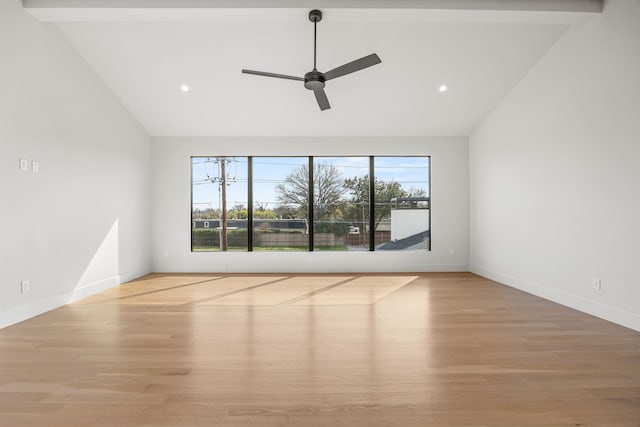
315	16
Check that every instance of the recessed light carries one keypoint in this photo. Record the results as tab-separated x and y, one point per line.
184	88
443	88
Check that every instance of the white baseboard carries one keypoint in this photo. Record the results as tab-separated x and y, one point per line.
93	288
594	308
305	268
26	311
40	306
127	277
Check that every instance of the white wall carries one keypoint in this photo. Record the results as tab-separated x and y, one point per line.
82	223
171	205
555	175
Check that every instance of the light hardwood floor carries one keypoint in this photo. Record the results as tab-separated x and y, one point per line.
447	349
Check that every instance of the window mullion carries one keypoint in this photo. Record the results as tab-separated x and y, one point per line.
311	204
372	204
250	204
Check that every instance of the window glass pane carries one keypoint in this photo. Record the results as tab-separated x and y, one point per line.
219	203
402	203
341	203
280	203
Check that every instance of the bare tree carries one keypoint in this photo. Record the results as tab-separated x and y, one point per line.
328	190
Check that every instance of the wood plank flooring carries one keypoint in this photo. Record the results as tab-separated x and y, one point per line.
445	349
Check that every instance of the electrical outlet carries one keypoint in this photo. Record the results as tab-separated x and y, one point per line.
35	166
596	284
25	286
452	252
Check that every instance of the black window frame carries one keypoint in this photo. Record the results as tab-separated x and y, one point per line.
311	206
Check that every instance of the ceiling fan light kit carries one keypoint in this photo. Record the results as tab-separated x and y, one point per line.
315	80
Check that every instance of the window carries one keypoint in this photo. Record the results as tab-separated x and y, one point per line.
280	203
401	213
310	203
341	203
219	200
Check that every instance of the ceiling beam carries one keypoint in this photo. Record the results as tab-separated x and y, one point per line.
557	11
531	5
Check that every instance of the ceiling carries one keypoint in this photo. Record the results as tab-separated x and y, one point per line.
144	56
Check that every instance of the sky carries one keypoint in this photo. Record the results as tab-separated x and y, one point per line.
268	172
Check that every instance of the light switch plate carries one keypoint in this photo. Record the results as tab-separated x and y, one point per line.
24	165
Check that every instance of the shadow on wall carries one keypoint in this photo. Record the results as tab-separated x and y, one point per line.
102	271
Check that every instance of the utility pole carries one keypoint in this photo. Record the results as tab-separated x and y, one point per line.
222	180
223	183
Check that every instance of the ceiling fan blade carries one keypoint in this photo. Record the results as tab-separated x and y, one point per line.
323	101
353	66
280	76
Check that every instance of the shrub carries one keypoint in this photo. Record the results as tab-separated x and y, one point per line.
210	238
337	228
205	237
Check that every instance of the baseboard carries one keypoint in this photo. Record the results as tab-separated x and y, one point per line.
32	309
310	269
35	308
604	311
93	288
127	277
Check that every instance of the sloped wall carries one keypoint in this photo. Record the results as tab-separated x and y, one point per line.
81	223
555	181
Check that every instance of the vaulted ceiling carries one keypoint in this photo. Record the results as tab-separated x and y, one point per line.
145	50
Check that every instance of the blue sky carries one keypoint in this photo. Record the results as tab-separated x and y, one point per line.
411	172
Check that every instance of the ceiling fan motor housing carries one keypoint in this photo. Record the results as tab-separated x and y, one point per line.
315	15
314	80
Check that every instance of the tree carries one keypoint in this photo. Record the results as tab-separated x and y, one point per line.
328	190
264	214
261	211
237	212
384	192
208	213
285	212
417	192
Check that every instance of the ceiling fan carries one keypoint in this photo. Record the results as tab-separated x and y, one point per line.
315	80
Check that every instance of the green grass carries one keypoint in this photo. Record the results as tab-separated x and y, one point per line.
272	249
330	248
217	249
280	248
298	248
